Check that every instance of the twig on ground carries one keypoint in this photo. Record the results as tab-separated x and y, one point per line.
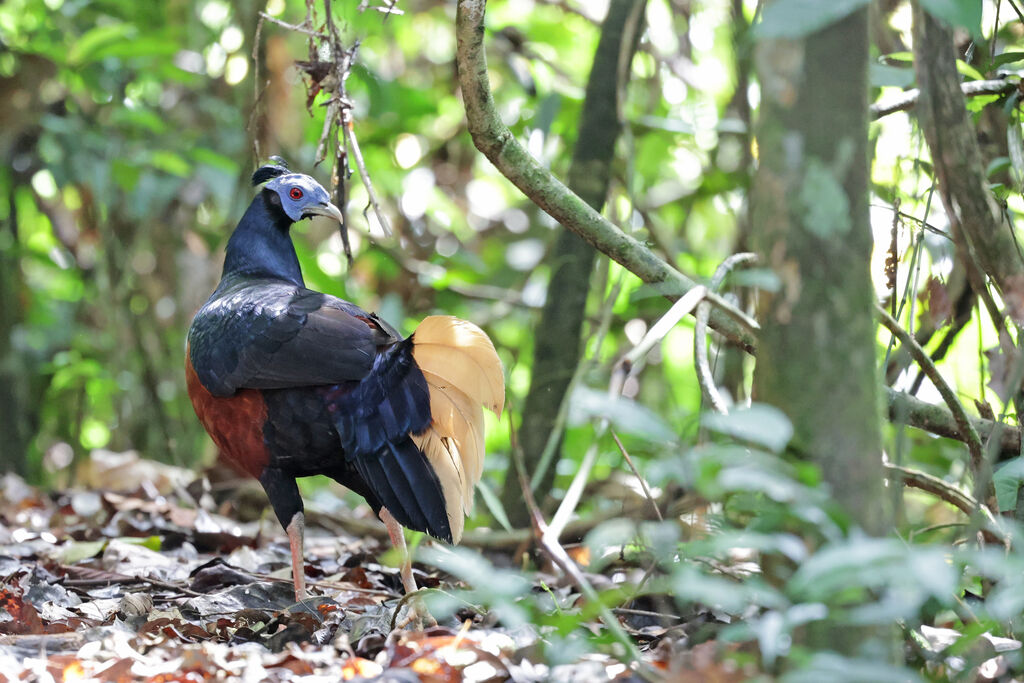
114	577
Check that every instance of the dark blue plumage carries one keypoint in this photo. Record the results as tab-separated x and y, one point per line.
292	382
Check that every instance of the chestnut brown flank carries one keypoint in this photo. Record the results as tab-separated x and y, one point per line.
234	422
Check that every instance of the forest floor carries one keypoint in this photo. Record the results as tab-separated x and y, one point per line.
158	584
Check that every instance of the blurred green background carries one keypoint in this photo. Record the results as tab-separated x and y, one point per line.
129	137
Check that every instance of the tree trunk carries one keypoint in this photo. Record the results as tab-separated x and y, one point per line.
816	356
557	339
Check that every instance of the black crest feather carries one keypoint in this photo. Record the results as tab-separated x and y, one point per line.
265	173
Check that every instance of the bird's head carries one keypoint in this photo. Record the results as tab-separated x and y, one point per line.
298	195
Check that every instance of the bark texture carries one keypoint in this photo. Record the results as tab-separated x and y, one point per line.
981	234
810	224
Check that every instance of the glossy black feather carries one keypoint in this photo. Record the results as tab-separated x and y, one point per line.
265	173
341	388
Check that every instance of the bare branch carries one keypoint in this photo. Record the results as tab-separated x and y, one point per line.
949	493
907	100
294	27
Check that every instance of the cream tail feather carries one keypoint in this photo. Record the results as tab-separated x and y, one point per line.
465	376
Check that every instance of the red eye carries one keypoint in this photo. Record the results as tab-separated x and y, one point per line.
295	193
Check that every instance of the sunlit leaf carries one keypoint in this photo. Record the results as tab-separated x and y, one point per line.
759	423
1007	480
97	39
626	415
958	13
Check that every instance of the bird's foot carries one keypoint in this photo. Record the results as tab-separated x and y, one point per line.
417	616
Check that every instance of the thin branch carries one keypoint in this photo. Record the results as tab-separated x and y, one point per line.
628	364
293	27
935	419
705	378
497	143
907	100
949	493
623	369
547	539
357	154
1017	10
639	477
974	445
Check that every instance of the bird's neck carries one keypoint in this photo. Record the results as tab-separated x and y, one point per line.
261	246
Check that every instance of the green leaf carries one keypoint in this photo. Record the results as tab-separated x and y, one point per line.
959	13
76	551
967	70
901	56
151	542
799	18
625	414
1006	58
87	48
761	424
169	162
881	75
1006	480
493	504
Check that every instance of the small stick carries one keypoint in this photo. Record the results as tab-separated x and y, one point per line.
548	542
357	154
636	473
970	434
948	493
294	27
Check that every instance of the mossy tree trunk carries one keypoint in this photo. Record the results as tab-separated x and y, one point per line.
810	225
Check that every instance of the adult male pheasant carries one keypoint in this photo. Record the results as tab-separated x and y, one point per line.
290	382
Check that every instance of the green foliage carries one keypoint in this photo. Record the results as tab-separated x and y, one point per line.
799	18
959	13
128	140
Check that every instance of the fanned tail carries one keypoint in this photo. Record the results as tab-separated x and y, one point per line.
464	376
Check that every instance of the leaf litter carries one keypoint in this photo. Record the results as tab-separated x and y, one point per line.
153	582
153	575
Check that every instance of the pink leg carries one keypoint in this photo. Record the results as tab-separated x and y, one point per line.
417	610
295	539
398	541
